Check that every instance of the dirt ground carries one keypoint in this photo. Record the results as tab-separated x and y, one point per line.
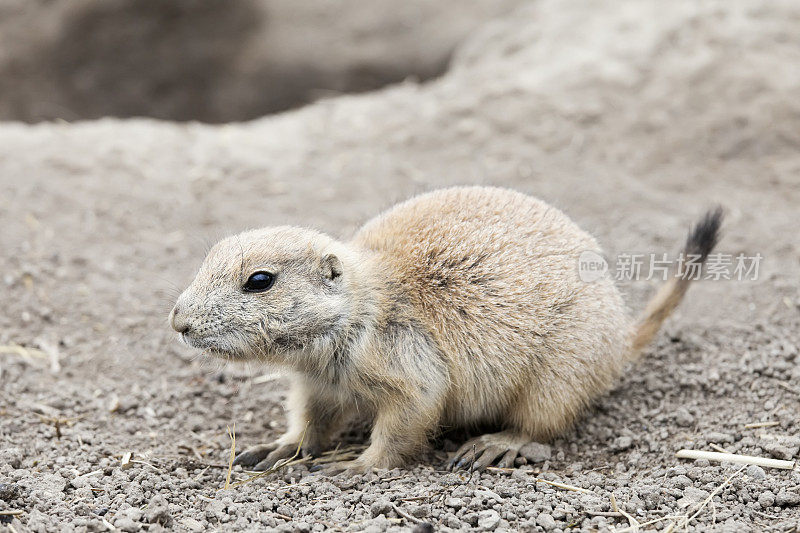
632	117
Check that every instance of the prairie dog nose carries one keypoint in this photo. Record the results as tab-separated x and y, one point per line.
178	321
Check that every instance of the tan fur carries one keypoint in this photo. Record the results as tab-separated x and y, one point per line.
458	307
658	309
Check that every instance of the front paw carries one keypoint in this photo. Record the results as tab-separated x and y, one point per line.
254	455
264	456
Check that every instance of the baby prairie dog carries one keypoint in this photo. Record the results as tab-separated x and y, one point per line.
459	307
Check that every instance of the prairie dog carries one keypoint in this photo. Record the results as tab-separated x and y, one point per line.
458	307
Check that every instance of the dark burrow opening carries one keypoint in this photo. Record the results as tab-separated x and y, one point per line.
215	60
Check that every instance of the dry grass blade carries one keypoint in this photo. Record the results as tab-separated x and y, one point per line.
634	524
13	512
125	463
736	458
232	435
53	355
756	425
22	351
563	486
405	515
613	514
788	387
58	423
499	469
705	502
630	529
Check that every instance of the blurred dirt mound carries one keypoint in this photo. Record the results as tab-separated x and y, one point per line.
215	60
120	57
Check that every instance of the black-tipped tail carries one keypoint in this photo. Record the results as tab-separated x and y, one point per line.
701	241
705	234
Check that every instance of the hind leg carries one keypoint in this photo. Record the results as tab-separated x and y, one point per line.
483	451
533	418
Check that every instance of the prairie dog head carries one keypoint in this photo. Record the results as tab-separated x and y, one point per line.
265	294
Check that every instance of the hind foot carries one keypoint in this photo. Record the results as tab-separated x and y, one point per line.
483	451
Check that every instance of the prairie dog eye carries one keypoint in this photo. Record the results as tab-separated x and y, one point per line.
259	282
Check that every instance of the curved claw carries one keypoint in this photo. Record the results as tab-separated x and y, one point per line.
465	455
507	461
483	451
284	451
489	456
254	455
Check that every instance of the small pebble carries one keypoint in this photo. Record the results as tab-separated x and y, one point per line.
622	443
787	498
380	507
535	452
546	521
756	472
488	520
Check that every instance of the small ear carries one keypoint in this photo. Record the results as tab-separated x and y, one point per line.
331	266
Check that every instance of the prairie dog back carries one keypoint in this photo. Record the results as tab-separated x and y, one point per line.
492	274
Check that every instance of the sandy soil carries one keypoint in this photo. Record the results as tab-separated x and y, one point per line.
632	119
